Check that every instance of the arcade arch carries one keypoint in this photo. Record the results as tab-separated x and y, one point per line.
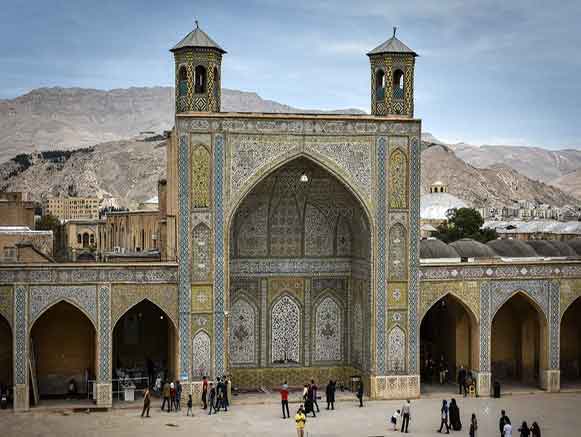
6	349
145	343
64	342
571	344
519	342
449	339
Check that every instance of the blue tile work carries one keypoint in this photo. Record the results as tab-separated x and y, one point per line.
414	248
485	331
219	338
555	324
381	265
184	269
21	335
104	302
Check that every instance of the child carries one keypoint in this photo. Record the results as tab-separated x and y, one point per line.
393	419
190	406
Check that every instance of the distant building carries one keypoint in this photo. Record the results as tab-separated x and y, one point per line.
20	244
535	229
435	205
72	208
151	204
16	210
78	241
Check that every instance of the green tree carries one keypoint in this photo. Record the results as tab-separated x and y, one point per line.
464	223
48	223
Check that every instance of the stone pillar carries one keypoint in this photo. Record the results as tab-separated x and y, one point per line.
483	374
552	376
104	346
20	348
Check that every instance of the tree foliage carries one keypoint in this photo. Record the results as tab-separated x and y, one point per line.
464	223
48	223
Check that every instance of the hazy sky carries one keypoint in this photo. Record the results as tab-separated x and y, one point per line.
494	71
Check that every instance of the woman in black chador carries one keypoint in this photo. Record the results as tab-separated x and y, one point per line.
454	412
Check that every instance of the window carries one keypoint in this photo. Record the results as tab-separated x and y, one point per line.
380	84
216	82
398	84
79	239
183	81
200	80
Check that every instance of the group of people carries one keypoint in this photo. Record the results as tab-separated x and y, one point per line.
506	429
405	413
171	395
450	416
216	397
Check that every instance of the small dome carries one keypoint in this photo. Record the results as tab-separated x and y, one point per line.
434	248
434	206
544	248
468	248
564	248
512	249
575	244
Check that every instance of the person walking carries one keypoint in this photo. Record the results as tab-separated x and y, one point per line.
462	381
219	395
535	430
502	421
360	393
524	430
473	426
172	395
166	396
205	392
309	404
178	402
330	395
443	368
146	402
454	412
396	414
227	391
314	390
190	406
284	400
444	417
406	413
212	399
300	421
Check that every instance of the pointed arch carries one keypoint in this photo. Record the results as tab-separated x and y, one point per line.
201	354
37	314
398	179
396	350
462	300
266	169
501	301
329	328
201	176
285	329
129	305
243	331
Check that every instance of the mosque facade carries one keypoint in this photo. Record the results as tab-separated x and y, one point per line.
298	247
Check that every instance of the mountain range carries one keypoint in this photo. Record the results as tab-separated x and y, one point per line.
111	162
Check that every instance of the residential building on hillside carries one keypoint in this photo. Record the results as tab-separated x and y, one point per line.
72	208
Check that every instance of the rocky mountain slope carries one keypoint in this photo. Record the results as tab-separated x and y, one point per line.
499	184
536	163
570	183
69	118
129	170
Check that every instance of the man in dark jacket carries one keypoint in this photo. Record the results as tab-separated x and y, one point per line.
503	421
329	395
166	396
212	399
462	381
314	390
360	393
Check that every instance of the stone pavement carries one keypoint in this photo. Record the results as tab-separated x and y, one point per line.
558	414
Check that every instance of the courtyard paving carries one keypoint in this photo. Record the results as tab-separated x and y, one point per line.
558	414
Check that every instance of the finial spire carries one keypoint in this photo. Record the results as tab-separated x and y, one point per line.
394	30
197	24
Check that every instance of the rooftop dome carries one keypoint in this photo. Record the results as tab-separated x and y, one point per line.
434	206
544	248
512	248
564	248
468	248
575	244
434	248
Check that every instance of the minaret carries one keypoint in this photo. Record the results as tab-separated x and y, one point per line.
198	61
392	78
